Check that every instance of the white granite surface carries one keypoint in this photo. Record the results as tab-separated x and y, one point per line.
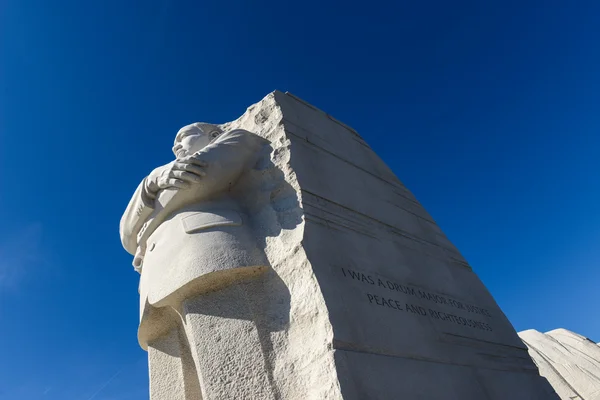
569	361
296	265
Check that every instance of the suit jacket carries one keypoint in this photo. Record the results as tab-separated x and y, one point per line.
196	239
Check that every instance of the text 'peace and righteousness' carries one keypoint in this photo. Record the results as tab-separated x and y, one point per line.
395	304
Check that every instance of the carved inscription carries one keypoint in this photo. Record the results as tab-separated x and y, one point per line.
393	303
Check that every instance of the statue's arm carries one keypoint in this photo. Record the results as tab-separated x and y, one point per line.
138	210
228	157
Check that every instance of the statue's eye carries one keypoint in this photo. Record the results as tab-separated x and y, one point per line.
214	134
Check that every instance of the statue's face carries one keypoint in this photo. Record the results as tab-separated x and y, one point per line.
194	137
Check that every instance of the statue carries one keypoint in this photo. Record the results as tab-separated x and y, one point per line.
190	236
280	258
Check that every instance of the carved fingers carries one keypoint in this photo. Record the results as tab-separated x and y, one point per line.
185	176
164	183
193	160
182	173
193	169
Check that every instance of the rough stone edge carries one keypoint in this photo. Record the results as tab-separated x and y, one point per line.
302	369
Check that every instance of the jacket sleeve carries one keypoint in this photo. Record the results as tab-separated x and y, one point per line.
228	157
138	210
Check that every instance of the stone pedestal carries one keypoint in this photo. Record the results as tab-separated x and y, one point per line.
364	297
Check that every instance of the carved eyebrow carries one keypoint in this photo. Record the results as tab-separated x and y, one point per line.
183	134
187	133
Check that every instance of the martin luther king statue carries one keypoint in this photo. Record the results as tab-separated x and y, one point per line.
244	242
190	238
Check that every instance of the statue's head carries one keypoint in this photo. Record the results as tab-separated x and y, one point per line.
194	137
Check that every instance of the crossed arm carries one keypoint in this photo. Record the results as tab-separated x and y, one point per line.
212	170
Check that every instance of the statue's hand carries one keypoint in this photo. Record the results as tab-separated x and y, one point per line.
179	174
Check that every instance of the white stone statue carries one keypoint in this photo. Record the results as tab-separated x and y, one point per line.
190	236
280	258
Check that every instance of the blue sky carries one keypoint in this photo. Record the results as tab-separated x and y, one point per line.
487	111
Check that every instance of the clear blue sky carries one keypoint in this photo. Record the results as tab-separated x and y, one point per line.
487	111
